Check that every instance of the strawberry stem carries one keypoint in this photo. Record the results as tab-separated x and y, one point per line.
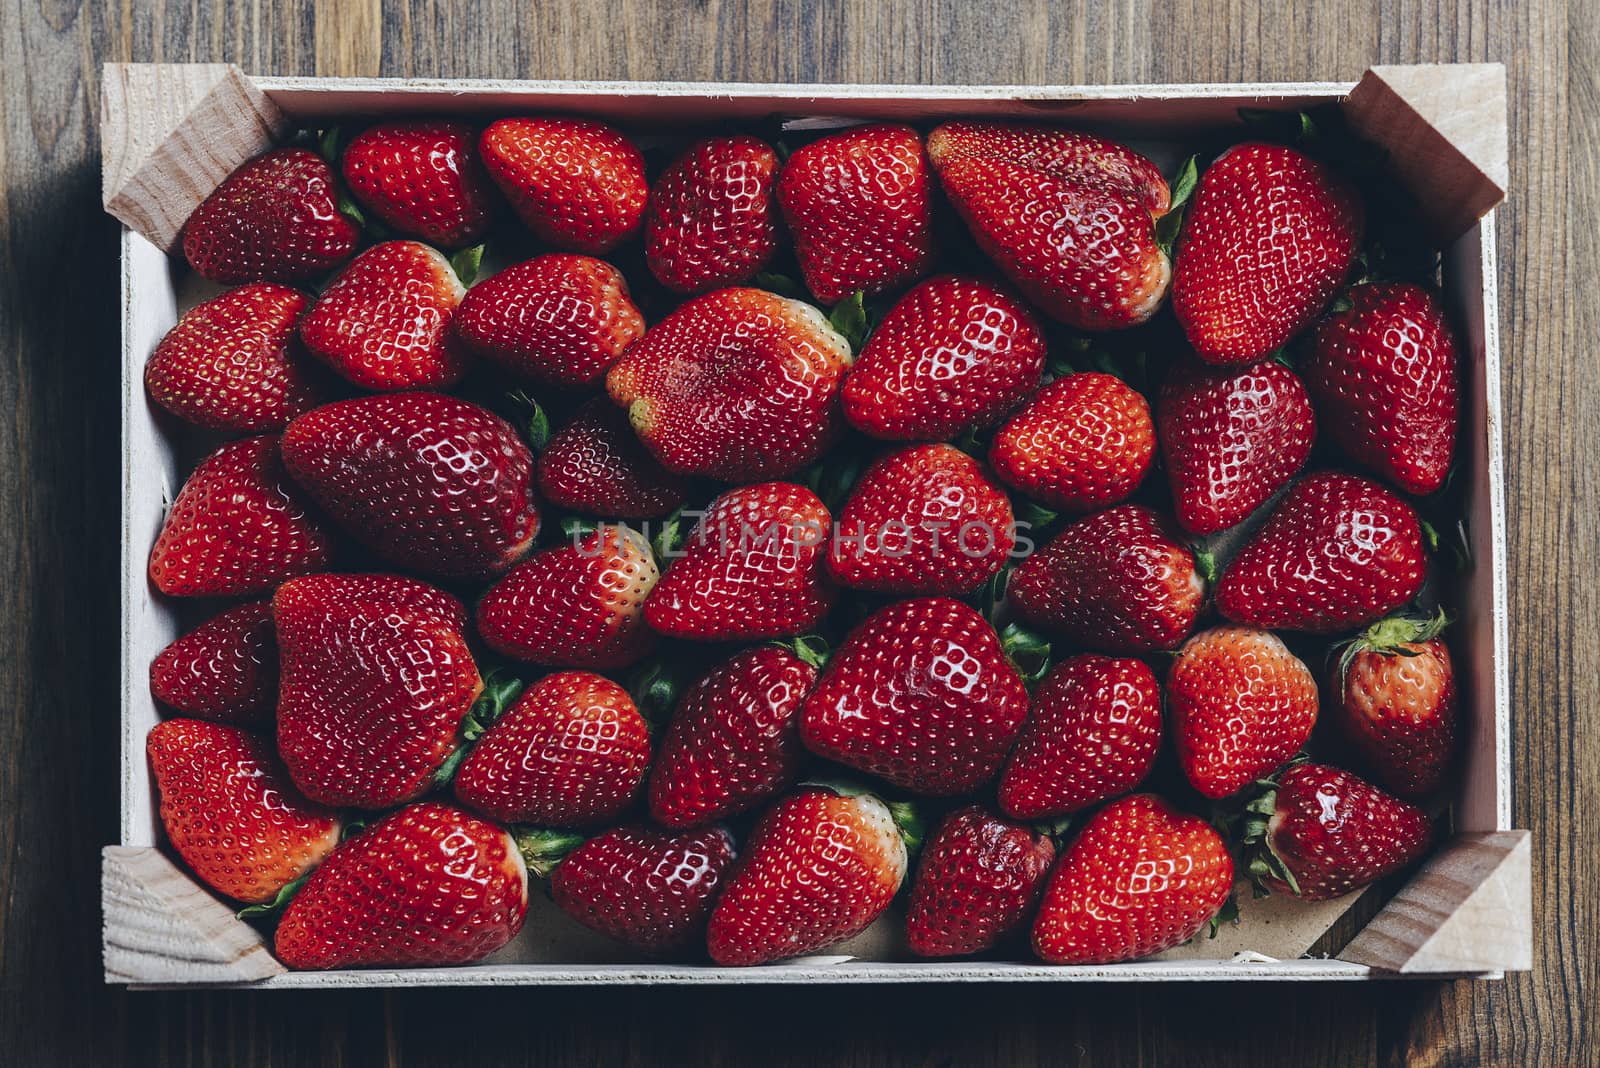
544	848
1027	650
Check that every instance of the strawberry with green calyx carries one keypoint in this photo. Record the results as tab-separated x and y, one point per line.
977	881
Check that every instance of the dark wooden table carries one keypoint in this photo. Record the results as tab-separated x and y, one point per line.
59	482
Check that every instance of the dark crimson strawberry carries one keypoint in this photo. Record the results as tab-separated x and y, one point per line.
1084	442
1231	439
424	480
858	204
375	679
423	178
1242	705
739	385
231	812
1396	702
978	879
1338	552
1071	155
1117	580
1383	372
596	465
955	353
712	220
275	219
430	886
558	319
575	605
734	739
224	669
920	694
577	184
1268	240
238	528
1094	733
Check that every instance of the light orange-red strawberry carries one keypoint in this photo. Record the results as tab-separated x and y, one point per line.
1084	442
1396	701
597	466
1071	155
978	880
712	220
577	184
422	178
225	669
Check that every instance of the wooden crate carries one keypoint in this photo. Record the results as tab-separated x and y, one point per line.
172	132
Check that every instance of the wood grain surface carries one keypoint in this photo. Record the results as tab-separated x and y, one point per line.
59	482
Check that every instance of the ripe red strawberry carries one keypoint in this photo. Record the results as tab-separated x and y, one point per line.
1338	552
650	889
275	219
557	319
576	605
1269	238
238	528
1396	703
953	354
712	221
858	204
577	184
1117	580
739	385
1070	155
734	738
424	480
1094	733
423	178
1383	373
1323	833
596	465
430	885
375	679
224	669
1141	877
1084	442
1231	439
819	867
1242	705
231	812
234	362
920	694
753	568
571	752
384	322
978	879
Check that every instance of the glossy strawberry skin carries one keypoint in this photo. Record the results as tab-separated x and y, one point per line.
1140	878
1231	438
1117	581
734	739
225	669
426	481
375	677
976	883
1084	442
572	752
818	869
1338	552
238	527
595	465
1336	833
1399	710
560	319
234	362
954	353
1384	373
924	520
713	219
1242	705
739	385
576	183
384	322
650	889
423	178
920	694
1270	236
275	219
1071	155
231	812
754	567
579	605
428	886
1094	734
858	205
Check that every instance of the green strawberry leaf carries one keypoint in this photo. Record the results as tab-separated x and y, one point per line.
812	649
1028	650
1170	225
330	142
908	820
849	319
671	537
544	848
535	423
654	687
467	263
270	911
574	527
782	285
